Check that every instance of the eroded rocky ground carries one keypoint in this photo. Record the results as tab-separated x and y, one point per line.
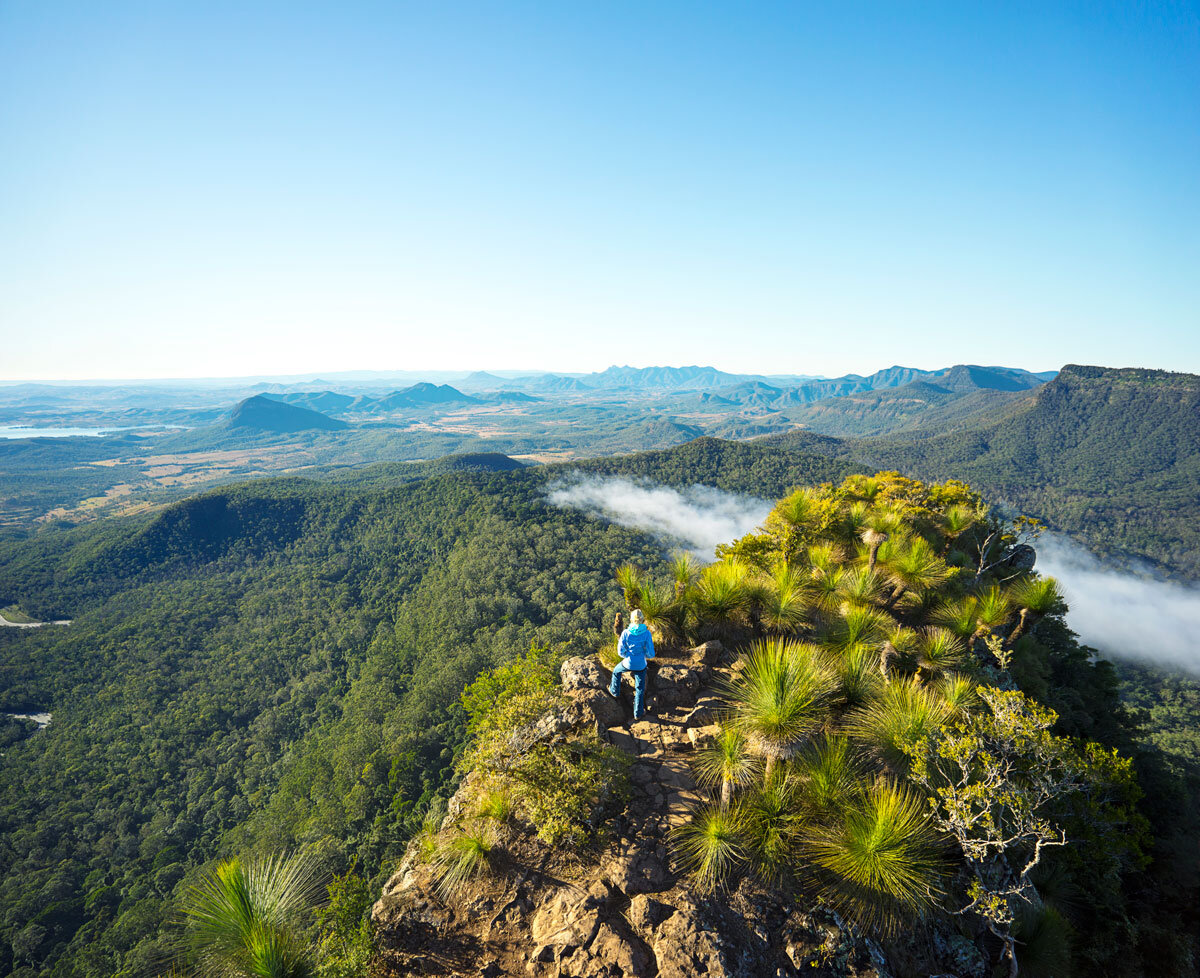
620	907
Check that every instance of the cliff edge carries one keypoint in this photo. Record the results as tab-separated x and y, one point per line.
618	906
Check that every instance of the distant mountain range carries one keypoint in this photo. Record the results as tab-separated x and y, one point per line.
1111	453
417	396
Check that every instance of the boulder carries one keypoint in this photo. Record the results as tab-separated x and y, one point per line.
677	685
583	673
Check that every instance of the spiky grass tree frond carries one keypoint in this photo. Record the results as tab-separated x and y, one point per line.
781	698
710	846
915	570
960	616
247	918
827	589
855	625
855	519
957	692
684	571
940	651
956	521
431	824
829	774
862	487
824	558
993	610
725	764
797	519
904	712
784	600
861	588
723	595
881	862
468	853
629	578
663	614
1041	595
1036	597
771	819
898	651
858	675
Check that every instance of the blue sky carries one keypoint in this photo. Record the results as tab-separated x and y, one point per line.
234	188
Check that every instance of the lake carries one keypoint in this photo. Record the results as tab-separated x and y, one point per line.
16	431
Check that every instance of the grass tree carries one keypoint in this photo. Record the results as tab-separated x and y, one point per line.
956	521
829	773
684	571
857	624
246	919
904	711
722	596
662	613
939	651
1036	597
784	600
961	615
915	569
466	854
797	519
781	699
710	845
881	860
858	675
724	762
771	818
629	578
861	587
993	611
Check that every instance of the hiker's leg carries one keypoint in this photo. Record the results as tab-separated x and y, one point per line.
639	693
614	687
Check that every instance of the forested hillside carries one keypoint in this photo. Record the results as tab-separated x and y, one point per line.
273	663
1109	455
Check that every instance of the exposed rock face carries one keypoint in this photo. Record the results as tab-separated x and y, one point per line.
620	907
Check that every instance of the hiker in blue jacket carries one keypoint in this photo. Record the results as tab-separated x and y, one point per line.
635	646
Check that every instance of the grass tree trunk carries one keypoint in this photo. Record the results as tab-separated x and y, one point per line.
1027	620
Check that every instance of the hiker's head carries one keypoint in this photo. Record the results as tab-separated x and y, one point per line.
636	617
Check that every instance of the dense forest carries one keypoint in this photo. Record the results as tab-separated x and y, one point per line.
274	663
280	663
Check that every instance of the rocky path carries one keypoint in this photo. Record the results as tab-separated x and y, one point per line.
621	908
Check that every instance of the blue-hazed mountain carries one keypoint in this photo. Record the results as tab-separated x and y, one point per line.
547	384
424	395
482	380
962	377
939	402
327	402
260	413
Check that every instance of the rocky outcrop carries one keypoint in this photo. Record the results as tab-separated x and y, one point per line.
619	907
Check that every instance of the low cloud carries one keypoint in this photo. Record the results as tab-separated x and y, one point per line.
696	518
1123	614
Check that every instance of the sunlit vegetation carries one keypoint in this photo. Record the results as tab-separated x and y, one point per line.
282	665
877	621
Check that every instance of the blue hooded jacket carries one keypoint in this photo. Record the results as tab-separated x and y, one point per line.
636	646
